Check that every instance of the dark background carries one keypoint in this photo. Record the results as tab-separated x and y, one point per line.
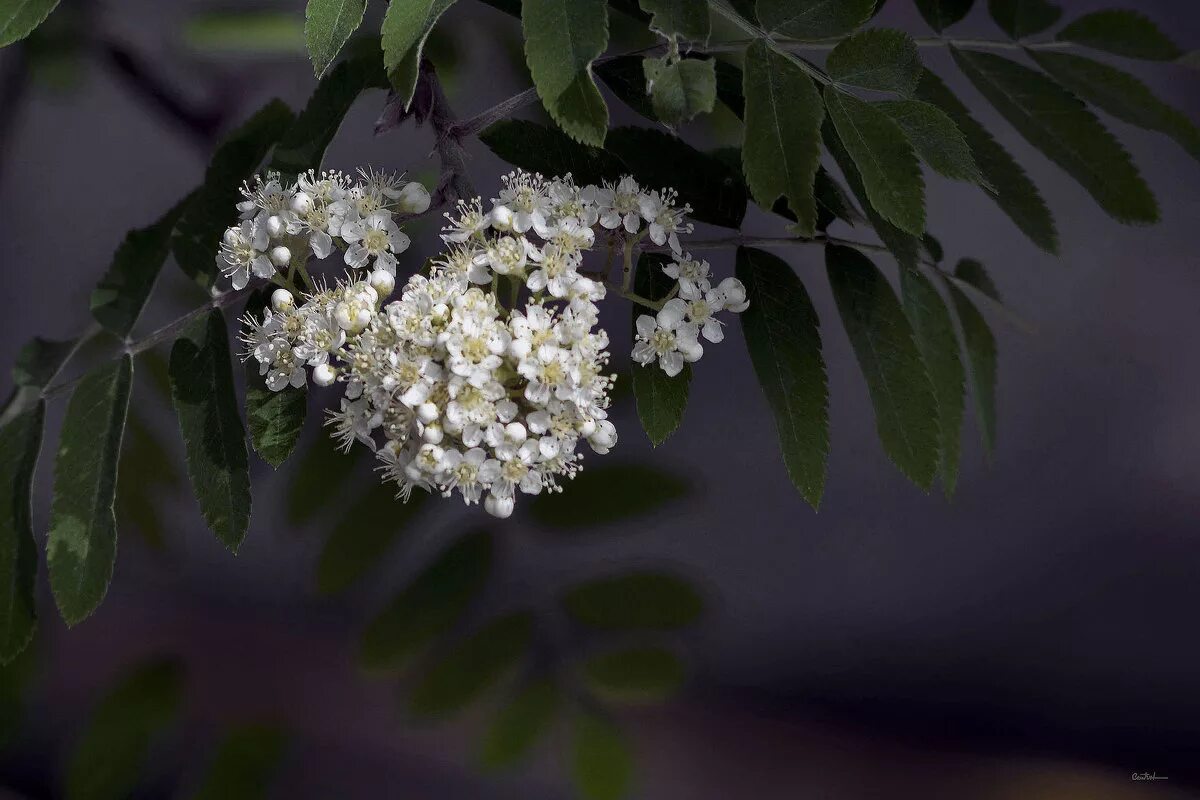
1034	637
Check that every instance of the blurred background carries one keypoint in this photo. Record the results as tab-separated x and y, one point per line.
1033	637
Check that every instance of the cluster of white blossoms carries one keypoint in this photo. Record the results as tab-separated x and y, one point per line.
455	390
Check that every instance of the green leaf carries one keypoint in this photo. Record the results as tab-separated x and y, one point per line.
588	500
363	536
906	412
275	419
833	202
213	437
212	206
113	748
634	674
140	501
119	298
519	725
82	545
933	247
18	18
686	18
881	59
327	26
16	676
472	667
634	601
715	191
660	398
256	33
813	19
1021	18
304	143
537	148
1120	94
1005	182
626	77
781	149
934	330
1123	32
244	765
680	91
935	137
971	271
40	361
320	479
1055	122
562	39
429	606
980	347
601	765
941	14
20	443
406	26
782	334
884	158
904	246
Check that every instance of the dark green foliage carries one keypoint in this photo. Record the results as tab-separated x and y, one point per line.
589	499
661	399
634	601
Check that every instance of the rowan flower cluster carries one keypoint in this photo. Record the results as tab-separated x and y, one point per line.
455	390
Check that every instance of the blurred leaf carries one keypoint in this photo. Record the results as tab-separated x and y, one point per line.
520	723
275	419
636	600
82	545
980	346
783	337
903	245
406	26
149	477
602	765
319	481
1054	121
1123	32
213	437
211	208
715	192
682	90
562	39
244	765
303	144
833	201
429	606
119	298
885	160
781	149
1021	18
327	26
1008	184
813	19
685	18
906	412
18	18
635	674
661	399
933	247
15	678
20	443
973	272
537	148
880	59
364	534
626	77
606	494
114	745
255	33
40	360
941	14
1120	94
935	137
471	667
934	331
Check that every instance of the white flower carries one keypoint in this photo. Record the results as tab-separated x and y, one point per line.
702	308
618	205
734	295
690	273
376	237
667	338
241	253
665	220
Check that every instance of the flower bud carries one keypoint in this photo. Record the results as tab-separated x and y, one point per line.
501	218
515	432
232	236
427	412
324	375
499	507
413	199
432	433
275	227
282	301
301	202
384	283
281	256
